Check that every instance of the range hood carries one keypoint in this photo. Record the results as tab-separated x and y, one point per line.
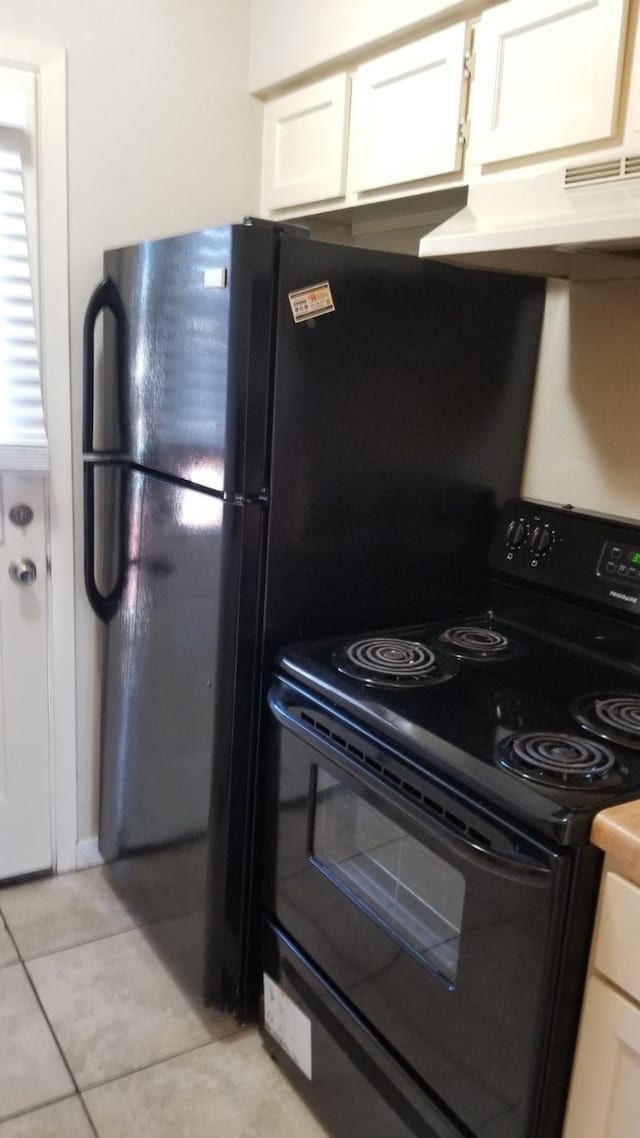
579	222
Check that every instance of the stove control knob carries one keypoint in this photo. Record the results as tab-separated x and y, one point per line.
516	532
541	539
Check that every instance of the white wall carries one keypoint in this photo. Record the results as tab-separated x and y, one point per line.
162	138
584	439
289	38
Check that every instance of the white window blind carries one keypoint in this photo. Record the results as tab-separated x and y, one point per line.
23	439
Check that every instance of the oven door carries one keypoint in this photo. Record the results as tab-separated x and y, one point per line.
439	923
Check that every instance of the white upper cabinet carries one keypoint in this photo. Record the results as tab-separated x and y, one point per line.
304	144
406	112
548	76
544	78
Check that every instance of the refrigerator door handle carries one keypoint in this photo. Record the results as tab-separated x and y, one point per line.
103	606
104	296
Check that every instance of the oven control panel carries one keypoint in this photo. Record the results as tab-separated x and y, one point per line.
590	557
621	562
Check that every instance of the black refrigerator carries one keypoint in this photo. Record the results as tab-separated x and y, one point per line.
283	438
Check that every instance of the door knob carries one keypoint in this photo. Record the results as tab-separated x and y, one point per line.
23	571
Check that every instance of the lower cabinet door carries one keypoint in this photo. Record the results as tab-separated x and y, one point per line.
604	1101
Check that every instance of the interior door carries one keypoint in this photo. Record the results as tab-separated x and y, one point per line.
25	824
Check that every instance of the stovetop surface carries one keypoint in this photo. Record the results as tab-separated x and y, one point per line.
458	727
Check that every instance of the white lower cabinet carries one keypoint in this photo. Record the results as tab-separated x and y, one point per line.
604	1099
605	1091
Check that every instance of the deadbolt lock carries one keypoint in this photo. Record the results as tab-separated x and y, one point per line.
21	515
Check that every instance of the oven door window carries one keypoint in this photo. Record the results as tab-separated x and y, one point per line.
415	894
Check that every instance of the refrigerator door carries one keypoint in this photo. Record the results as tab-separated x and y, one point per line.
399	425
188	320
400	421
169	648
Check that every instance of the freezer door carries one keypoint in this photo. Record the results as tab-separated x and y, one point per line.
400	419
186	358
168	655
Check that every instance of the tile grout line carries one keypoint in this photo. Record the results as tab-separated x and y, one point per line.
88	1115
79	1092
21	963
39	1106
18	959
95	939
50	1026
165	1059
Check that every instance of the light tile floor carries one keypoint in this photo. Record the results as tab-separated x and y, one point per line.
101	1030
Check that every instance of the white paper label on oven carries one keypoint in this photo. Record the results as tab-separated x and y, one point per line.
316	300
290	1027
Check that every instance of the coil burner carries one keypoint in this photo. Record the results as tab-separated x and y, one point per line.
392	663
473	642
613	716
567	761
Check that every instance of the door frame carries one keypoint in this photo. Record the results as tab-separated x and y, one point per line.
50	66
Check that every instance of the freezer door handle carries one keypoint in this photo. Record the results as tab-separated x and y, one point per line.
103	606
104	296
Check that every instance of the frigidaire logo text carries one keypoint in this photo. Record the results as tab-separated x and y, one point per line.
623	597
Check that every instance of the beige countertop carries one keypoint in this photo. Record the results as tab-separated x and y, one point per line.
617	832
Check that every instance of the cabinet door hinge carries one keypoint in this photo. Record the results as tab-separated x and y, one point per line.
468	70
463	132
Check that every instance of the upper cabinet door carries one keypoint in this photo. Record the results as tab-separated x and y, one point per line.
304	144
407	107
548	76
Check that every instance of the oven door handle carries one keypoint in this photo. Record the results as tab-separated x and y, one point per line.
514	864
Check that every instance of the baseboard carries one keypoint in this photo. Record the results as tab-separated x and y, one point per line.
88	854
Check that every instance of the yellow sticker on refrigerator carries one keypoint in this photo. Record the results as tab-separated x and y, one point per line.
315	300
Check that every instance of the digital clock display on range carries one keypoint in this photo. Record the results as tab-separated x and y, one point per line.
633	557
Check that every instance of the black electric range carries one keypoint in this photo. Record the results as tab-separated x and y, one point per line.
532	705
432	791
